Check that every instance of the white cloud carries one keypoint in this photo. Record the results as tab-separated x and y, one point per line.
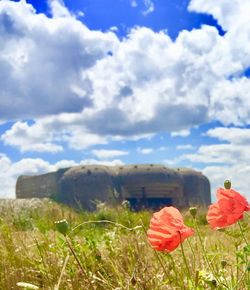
226	12
145	150
37	139
45	133
163	148
149	7
57	66
181	133
185	147
134	3
236	150
44	60
114	28
65	164
171	162
235	108
107	154
9	171
225	160
115	162
58	9
220	153
79	139
240	136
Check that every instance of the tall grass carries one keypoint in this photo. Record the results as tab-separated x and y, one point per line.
112	248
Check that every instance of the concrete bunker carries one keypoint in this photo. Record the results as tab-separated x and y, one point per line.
150	186
143	185
85	185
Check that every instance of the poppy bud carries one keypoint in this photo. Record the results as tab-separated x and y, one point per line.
133	281
62	226
223	263
126	204
227	184
193	211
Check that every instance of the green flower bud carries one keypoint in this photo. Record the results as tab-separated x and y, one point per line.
133	281
227	184
193	211
223	263
126	204
62	226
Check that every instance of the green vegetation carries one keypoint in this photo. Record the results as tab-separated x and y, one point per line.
108	249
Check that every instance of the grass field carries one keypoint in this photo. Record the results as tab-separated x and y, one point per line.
108	249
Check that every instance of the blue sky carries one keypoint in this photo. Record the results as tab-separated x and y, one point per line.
125	14
125	81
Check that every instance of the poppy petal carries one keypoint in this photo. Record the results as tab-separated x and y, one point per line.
167	230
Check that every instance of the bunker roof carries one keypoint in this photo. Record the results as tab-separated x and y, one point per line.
144	169
90	169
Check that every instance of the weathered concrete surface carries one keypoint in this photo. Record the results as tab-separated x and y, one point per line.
84	185
196	187
143	185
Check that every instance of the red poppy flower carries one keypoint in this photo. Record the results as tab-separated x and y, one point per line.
228	210
167	230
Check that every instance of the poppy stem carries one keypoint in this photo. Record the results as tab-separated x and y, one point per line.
193	254
202	246
205	254
104	222
161	263
156	254
78	261
242	233
186	263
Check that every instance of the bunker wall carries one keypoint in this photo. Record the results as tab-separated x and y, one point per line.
83	186
196	188
41	186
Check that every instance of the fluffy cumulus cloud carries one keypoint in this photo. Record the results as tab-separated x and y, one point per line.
46	133
185	147
43	59
227	160
149	7
234	149
148	84
9	171
115	162
229	14
237	136
181	133
107	154
38	139
145	151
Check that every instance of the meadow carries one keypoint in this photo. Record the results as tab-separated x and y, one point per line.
109	249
